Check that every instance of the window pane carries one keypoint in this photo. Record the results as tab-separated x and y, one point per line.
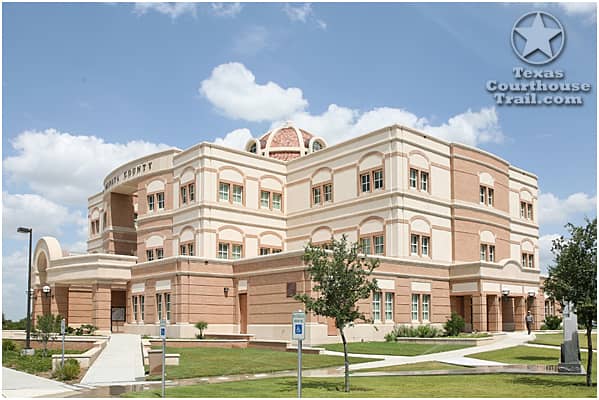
236	251
184	195
425	245
159	253
192	194
378	179
365	245
160	197
482	194
529	207
522	210
491	193
264	251
531	261
425	306
150	255
524	260
159	306
167	302
365	182
483	252
389	306
415	299
223	191
151	202
223	250
183	250
376	306
316	195
424	181
190	249
237	194
328	192
492	253
379	245
413	178
276	201
142	306
414	244
264	199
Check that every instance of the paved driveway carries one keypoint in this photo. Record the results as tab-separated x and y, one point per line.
21	384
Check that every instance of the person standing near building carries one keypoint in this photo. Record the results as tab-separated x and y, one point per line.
529	321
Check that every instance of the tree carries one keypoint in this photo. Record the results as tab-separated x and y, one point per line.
341	278
202	325
573	278
48	327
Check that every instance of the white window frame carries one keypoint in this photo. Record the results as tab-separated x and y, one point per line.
379	244
414	310
389	306
224	191
426	307
223	246
424	181
376	306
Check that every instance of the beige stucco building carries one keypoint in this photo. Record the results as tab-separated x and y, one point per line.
216	234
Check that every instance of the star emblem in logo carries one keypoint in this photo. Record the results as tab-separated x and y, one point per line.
539	42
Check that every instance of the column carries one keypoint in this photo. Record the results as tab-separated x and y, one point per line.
101	300
468	313
495	314
538	311
519	313
479	312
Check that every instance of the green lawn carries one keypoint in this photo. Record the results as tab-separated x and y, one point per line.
555	339
396	386
394	348
421	366
528	355
36	364
208	361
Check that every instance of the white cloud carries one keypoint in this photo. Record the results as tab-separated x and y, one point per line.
251	40
553	210
588	10
14	284
233	90
173	10
236	139
299	12
226	9
66	168
545	254
30	210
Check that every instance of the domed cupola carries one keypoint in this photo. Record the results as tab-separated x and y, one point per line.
285	143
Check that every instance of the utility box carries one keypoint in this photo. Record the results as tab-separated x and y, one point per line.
155	361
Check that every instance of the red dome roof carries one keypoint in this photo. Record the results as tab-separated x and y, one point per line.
284	143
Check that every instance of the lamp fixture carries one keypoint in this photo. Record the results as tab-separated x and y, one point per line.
531	294
46	290
226	290
505	292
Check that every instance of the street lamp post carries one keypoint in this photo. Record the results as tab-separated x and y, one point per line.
28	349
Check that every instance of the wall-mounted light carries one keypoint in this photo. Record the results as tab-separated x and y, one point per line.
531	294
505	292
46	291
226	290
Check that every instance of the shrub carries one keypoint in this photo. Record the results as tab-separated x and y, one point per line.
427	331
69	372
423	331
552	322
454	325
8	345
202	326
391	336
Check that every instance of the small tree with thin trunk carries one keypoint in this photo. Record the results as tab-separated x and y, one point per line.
573	278
342	278
48	328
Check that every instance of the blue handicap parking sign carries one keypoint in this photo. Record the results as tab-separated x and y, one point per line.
298	329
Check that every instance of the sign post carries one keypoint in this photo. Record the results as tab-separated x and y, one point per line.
62	332
298	333
163	337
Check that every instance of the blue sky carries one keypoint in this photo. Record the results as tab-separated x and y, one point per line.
88	86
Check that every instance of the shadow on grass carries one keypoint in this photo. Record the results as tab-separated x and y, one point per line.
536	358
549	381
322	385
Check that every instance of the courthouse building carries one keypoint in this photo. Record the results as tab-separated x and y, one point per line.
216	234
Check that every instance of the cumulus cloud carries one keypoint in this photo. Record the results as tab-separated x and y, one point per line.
67	168
173	10
14	284
236	139
225	9
553	210
233	90
545	254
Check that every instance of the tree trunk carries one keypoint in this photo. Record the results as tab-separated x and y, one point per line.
589	326
346	360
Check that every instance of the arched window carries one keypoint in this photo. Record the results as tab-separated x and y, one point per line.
253	148
316	146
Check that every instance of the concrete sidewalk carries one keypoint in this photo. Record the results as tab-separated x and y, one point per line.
121	362
20	384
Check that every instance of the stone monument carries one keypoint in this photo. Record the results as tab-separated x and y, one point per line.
570	350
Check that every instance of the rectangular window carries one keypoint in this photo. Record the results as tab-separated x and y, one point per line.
378	179
151	202
264	251
223	250
365	245
522	210
525	260
424	246
192	192
150	255
415	300
376	306
492	253
184	194
236	251
388	306
413	178
328	193
379	245
264	199
142	307
531	261
424	181
426	300
182	250
316	195
276	201
237	194
160	198
529	211
223	191
483	252
159	306
483	194
365	182
190	249
159	253
167	304
490	195
134	299
414	241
